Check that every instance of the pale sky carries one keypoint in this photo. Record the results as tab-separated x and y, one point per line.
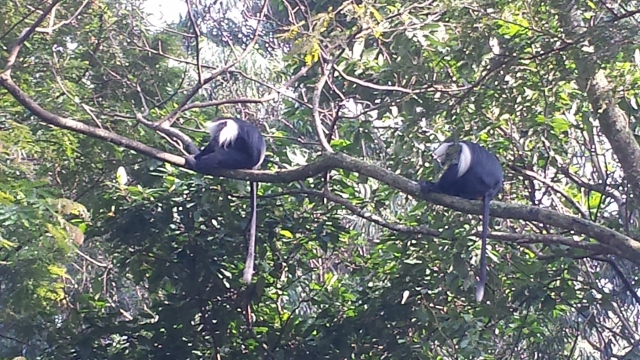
165	11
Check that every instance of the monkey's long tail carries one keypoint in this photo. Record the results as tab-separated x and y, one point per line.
251	248
483	251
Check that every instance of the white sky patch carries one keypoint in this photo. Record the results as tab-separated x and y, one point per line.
164	11
169	11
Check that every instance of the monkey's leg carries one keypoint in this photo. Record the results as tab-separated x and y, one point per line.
228	159
427	187
190	162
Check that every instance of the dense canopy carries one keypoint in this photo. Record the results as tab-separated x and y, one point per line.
111	249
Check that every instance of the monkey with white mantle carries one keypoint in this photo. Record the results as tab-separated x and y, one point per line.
235	144
475	174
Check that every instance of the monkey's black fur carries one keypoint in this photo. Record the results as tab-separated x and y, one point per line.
234	144
476	175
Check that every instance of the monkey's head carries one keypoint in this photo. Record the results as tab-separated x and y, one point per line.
448	153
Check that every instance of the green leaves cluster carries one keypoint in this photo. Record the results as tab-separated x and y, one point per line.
107	254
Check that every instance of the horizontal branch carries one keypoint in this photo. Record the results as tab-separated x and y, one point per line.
626	246
554	239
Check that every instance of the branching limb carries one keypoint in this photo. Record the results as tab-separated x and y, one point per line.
553	186
367	215
317	92
26	33
171	118
81	128
52	27
170	133
553	239
626	247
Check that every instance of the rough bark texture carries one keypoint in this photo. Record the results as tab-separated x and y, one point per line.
592	80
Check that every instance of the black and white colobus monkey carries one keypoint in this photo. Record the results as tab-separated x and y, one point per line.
473	173
235	144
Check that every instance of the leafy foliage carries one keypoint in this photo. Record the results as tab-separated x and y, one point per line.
107	253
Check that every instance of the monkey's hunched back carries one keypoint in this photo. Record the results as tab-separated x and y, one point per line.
484	176
234	144
255	145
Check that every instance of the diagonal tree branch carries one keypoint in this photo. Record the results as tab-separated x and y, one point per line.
26	33
82	128
628	248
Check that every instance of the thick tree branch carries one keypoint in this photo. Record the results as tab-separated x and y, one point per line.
171	133
627	247
614	124
613	121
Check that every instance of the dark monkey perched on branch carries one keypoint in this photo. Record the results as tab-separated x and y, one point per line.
473	173
234	144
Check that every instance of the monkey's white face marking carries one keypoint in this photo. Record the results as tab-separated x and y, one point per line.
227	135
440	153
465	159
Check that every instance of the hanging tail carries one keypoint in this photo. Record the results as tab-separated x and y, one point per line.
483	251
251	248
